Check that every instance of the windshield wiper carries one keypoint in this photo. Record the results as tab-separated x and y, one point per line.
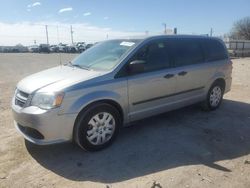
76	65
68	64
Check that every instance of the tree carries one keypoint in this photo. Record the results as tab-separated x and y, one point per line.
241	29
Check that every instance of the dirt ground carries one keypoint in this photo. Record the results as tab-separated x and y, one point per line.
183	148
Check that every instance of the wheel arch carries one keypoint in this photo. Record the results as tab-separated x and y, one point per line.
111	102
217	77
220	81
206	104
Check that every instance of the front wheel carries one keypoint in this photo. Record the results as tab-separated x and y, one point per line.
214	97
97	127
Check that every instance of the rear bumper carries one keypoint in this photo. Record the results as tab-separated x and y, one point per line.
228	84
43	127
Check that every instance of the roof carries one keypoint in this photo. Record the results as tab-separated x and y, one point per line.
141	38
178	36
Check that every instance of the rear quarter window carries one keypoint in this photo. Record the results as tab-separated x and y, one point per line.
214	50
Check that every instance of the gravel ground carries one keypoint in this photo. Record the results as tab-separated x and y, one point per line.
183	148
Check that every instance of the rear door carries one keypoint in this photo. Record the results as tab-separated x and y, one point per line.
193	73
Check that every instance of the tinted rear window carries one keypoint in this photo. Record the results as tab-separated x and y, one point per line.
214	50
186	51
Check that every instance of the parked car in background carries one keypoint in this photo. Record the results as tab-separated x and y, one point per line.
71	49
62	48
33	49
81	47
19	48
89	46
117	82
54	48
7	50
44	48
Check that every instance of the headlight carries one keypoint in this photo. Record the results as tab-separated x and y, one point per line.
47	100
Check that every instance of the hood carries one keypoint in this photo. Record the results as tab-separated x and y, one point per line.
59	77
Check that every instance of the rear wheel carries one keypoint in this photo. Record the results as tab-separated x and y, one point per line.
214	97
97	127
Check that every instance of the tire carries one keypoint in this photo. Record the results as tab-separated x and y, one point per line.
214	97
97	127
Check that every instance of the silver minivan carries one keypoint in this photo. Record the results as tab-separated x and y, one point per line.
117	82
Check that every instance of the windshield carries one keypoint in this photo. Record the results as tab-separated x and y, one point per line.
104	56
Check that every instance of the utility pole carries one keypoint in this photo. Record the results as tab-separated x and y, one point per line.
58	40
165	28
211	32
175	30
71	32
57	33
47	36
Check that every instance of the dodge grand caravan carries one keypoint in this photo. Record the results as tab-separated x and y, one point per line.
117	82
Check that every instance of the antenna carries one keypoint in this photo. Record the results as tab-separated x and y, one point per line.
58	40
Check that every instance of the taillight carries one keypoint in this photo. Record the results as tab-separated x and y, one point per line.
231	63
230	66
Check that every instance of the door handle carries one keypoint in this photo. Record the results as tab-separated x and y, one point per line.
182	73
167	76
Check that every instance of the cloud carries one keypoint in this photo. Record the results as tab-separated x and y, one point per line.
28	32
106	18
68	9
34	4
87	14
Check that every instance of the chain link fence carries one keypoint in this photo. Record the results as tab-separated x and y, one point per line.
238	48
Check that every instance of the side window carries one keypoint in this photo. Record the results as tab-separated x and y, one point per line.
214	50
186	52
155	56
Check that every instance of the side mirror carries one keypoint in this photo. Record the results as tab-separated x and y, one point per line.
136	66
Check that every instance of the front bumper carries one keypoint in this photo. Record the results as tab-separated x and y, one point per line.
50	127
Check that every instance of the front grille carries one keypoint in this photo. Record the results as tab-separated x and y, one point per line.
31	132
19	103
21	98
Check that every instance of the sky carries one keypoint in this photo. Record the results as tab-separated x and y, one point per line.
23	21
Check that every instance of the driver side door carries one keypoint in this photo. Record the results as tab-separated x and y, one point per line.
150	92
